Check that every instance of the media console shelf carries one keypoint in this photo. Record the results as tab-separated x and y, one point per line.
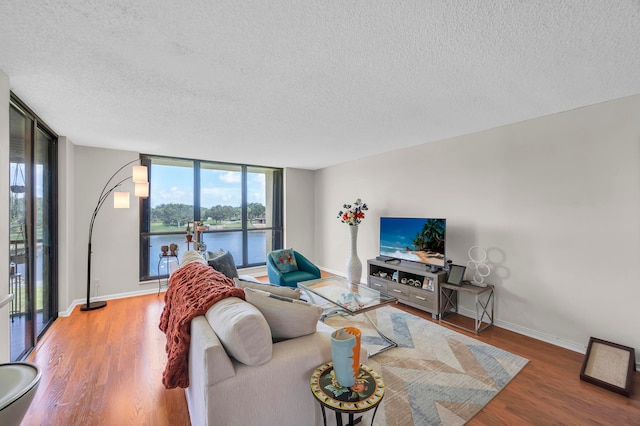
410	282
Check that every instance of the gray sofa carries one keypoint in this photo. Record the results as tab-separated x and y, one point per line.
224	391
239	376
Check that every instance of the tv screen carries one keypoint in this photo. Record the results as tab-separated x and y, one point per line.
414	239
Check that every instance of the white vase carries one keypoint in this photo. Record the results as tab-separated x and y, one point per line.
354	266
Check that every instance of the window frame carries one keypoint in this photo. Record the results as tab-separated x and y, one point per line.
276	227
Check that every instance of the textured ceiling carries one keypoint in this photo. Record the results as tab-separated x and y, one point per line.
309	84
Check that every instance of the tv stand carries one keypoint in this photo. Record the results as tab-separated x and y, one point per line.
409	282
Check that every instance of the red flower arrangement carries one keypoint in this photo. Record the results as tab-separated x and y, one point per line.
353	214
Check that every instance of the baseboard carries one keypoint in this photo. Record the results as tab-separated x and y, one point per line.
548	338
255	272
544	337
107	297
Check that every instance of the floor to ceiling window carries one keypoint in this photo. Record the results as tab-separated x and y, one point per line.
239	206
32	228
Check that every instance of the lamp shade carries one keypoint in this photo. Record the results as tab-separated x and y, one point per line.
142	189
140	174
121	200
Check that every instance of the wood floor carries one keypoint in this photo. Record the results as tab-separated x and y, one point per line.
105	367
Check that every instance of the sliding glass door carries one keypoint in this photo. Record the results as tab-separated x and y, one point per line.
32	229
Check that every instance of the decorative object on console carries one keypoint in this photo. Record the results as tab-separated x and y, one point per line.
352	216
139	177
477	258
345	354
427	284
456	274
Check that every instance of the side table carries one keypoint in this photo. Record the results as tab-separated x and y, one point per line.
364	395
167	261
484	304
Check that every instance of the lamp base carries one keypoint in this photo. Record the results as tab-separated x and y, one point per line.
93	306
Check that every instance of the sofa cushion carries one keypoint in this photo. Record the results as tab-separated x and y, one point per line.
292	293
288	318
242	330
285	260
225	264
192	256
213	254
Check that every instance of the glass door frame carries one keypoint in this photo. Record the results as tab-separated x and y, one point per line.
31	333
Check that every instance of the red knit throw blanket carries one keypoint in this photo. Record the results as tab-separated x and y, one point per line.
192	290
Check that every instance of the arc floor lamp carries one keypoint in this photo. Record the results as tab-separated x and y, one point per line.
120	201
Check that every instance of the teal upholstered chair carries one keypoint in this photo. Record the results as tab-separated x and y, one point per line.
305	271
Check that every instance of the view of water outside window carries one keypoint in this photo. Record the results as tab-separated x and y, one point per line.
221	213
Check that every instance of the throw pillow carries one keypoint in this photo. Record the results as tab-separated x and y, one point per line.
288	318
192	256
216	253
293	293
242	330
225	264
285	260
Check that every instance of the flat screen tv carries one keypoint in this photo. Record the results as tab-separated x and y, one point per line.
416	239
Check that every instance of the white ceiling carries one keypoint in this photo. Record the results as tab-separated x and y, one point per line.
309	84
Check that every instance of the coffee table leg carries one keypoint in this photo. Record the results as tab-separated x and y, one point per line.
391	343
324	418
338	418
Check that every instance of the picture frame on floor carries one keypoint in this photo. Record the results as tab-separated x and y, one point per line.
609	365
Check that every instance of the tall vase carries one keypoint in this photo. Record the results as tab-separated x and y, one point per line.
354	266
345	354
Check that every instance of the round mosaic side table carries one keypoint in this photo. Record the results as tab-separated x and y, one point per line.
364	395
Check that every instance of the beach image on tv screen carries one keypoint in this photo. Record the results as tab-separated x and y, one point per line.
417	240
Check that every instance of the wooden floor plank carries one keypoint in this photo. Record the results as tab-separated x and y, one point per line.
105	367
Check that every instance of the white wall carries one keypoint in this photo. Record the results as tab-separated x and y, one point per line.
115	261
555	201
5	95
299	211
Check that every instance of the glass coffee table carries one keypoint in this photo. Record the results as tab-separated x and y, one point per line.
351	299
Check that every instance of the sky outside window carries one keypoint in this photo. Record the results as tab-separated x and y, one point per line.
173	184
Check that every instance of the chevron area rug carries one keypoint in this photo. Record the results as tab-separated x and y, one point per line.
435	376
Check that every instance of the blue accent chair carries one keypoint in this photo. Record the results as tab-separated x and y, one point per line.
306	271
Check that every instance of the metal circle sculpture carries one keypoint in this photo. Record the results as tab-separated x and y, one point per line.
477	258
